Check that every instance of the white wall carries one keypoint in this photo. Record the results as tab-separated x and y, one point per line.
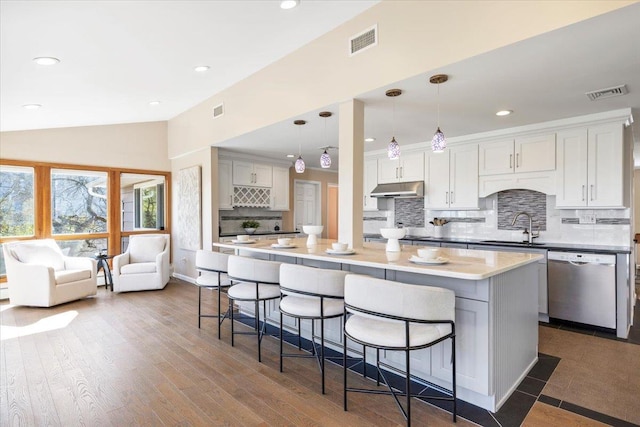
207	159
131	146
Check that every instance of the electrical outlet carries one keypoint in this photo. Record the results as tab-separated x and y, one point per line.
588	218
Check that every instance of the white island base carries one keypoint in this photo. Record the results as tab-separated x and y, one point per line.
496	312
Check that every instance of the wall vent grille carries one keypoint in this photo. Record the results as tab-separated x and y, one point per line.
364	40
608	92
218	111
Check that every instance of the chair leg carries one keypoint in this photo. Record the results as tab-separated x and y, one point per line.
299	334
281	341
344	369
313	337
199	305
322	351
453	356
377	367
364	361
408	387
258	329
219	311
231	317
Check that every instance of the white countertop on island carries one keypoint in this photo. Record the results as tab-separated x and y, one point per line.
468	264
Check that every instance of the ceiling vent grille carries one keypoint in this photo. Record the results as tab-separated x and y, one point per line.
608	92
364	40
218	110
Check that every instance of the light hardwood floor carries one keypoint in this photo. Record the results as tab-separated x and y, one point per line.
139	359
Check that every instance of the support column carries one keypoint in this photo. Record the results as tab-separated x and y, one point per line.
351	172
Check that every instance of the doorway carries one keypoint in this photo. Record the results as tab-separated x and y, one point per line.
307	203
332	211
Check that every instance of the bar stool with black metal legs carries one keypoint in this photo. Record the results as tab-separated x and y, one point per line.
387	315
310	293
253	280
211	265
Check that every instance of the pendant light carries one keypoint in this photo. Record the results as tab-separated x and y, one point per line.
438	143
325	158
299	165
393	150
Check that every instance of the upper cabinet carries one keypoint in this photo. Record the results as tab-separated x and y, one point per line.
452	178
252	174
225	187
409	167
523	154
590	167
370	182
280	189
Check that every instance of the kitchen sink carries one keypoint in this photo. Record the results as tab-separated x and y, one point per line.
511	242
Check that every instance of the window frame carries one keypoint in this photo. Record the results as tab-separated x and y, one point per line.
114	233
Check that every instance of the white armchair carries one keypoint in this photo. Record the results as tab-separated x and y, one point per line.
145	264
38	274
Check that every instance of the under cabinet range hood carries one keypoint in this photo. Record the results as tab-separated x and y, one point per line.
399	189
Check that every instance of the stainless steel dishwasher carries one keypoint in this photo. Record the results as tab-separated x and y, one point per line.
582	288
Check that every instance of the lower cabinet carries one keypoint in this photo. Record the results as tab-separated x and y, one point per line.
472	340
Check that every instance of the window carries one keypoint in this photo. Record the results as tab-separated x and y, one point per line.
143	202
16	201
78	202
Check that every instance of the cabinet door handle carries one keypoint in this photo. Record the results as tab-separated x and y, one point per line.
396	172
583	192
592	192
517	160
510	161
452	198
446	198
401	173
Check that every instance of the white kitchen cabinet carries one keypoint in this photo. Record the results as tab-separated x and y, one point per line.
590	173
280	189
409	167
225	187
370	182
533	153
472	339
543	290
452	178
252	174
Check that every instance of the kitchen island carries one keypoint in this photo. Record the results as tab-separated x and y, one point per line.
496	310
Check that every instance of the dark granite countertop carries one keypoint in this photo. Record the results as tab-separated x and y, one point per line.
261	233
556	246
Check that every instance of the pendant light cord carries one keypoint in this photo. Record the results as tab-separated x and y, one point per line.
438	105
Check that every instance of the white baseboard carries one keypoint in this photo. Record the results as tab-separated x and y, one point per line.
185	278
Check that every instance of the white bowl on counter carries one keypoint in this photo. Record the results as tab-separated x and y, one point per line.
313	231
393	235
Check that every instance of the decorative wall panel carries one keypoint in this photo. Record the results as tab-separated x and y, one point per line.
189	210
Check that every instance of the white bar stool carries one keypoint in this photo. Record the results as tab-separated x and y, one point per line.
257	281
388	315
310	293
211	265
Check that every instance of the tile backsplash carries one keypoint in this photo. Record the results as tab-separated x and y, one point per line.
511	202
231	221
493	220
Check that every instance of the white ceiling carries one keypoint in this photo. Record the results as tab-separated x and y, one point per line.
117	56
152	48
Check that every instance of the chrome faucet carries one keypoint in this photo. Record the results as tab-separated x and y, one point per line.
531	235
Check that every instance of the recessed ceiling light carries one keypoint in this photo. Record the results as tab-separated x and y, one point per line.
201	68
504	112
291	156
154	103
288	4
46	60
369	139
31	106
